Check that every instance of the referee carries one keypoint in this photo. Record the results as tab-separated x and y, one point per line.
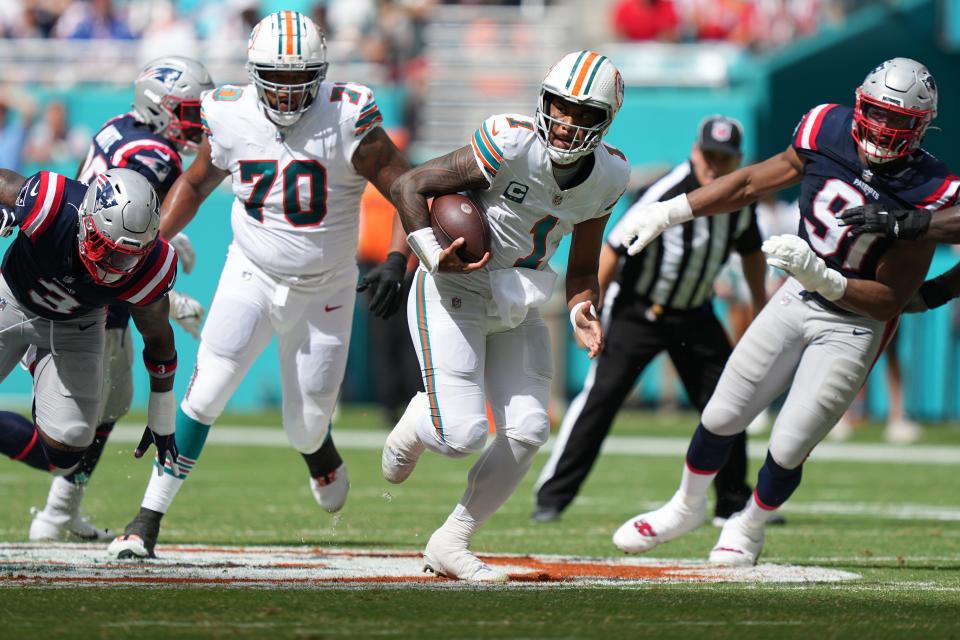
661	300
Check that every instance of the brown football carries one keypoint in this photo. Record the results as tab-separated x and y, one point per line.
456	216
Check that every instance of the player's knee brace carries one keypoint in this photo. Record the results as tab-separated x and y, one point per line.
708	451
775	484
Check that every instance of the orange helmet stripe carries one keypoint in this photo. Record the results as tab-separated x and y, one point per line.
288	17
583	72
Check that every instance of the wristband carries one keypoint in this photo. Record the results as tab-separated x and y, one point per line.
160	368
162	412
935	293
424	244
576	307
679	210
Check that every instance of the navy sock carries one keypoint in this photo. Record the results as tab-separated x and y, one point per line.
20	440
707	451
775	484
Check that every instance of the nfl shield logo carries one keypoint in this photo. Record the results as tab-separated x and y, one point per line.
557	199
720	131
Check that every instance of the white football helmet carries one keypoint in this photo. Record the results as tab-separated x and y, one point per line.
895	104
286	41
166	97
119	223
582	77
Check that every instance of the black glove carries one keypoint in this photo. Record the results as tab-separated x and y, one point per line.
903	224
166	445
385	282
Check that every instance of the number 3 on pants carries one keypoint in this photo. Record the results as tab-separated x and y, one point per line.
263	175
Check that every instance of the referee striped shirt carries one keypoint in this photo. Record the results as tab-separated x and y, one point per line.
677	270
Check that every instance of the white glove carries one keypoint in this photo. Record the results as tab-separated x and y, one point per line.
794	255
7	222
186	312
185	253
653	219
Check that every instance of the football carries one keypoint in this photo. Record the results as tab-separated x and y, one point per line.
455	216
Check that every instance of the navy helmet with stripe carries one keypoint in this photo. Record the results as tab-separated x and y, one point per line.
585	78
286	61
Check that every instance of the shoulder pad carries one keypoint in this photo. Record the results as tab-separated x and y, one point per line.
811	128
39	201
497	138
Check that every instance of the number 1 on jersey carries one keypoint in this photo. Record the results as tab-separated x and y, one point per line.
540	230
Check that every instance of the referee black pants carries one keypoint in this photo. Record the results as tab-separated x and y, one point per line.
698	347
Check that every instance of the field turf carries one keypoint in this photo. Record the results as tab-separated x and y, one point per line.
897	525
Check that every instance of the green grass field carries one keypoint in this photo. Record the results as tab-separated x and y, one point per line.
896	524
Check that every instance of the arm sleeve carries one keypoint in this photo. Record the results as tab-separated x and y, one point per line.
749	240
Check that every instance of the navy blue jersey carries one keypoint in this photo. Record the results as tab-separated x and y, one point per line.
124	142
42	266
834	178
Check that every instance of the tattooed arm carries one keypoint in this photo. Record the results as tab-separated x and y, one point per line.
457	171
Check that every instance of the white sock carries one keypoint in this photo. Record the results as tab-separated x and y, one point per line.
694	486
492	479
161	491
755	516
63	497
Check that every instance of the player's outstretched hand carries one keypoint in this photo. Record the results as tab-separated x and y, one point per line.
645	225
794	255
450	262
186	255
903	224
7	222
187	312
587	329
166	446
385	282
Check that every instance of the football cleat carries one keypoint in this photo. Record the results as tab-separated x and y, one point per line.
449	557
672	520
739	545
331	490
902	432
139	538
54	525
403	447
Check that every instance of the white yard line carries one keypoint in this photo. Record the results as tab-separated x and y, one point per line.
262	436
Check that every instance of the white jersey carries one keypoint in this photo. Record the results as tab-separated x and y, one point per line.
297	194
528	212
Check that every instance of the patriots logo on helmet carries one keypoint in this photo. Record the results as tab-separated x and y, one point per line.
167	76
105	195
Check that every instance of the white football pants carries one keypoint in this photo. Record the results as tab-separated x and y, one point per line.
312	321
823	356
468	357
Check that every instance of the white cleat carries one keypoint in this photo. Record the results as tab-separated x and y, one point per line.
403	447
129	547
672	520
331	490
54	525
902	432
739	545
446	556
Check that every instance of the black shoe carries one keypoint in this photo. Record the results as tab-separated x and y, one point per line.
545	514
139	538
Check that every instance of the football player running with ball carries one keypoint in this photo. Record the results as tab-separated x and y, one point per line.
476	327
822	331
299	150
164	123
